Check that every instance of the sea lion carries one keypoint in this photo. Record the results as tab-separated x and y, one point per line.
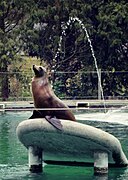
44	97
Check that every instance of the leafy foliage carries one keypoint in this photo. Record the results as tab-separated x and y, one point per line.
36	27
13	15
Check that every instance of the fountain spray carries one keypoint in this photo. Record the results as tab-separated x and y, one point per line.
64	27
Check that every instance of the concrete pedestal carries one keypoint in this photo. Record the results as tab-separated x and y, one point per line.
35	159
77	142
100	162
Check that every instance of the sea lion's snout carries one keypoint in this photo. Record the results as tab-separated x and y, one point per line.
39	71
33	66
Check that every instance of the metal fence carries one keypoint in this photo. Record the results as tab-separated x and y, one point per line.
67	85
17	86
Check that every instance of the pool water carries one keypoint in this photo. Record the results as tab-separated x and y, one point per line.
14	156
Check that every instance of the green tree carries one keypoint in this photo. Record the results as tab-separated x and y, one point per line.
36	26
107	25
112	34
13	15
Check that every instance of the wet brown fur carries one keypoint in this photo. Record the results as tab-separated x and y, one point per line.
44	97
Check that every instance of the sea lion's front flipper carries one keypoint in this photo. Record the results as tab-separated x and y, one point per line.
54	121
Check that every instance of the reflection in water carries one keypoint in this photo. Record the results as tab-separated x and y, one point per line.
14	160
4	141
101	177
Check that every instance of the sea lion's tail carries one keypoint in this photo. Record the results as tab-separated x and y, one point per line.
54	121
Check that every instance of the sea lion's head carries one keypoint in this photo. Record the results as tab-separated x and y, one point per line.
39	71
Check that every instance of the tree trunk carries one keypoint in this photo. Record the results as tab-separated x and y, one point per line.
4	81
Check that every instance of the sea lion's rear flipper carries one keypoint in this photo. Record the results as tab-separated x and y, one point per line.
36	114
54	121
